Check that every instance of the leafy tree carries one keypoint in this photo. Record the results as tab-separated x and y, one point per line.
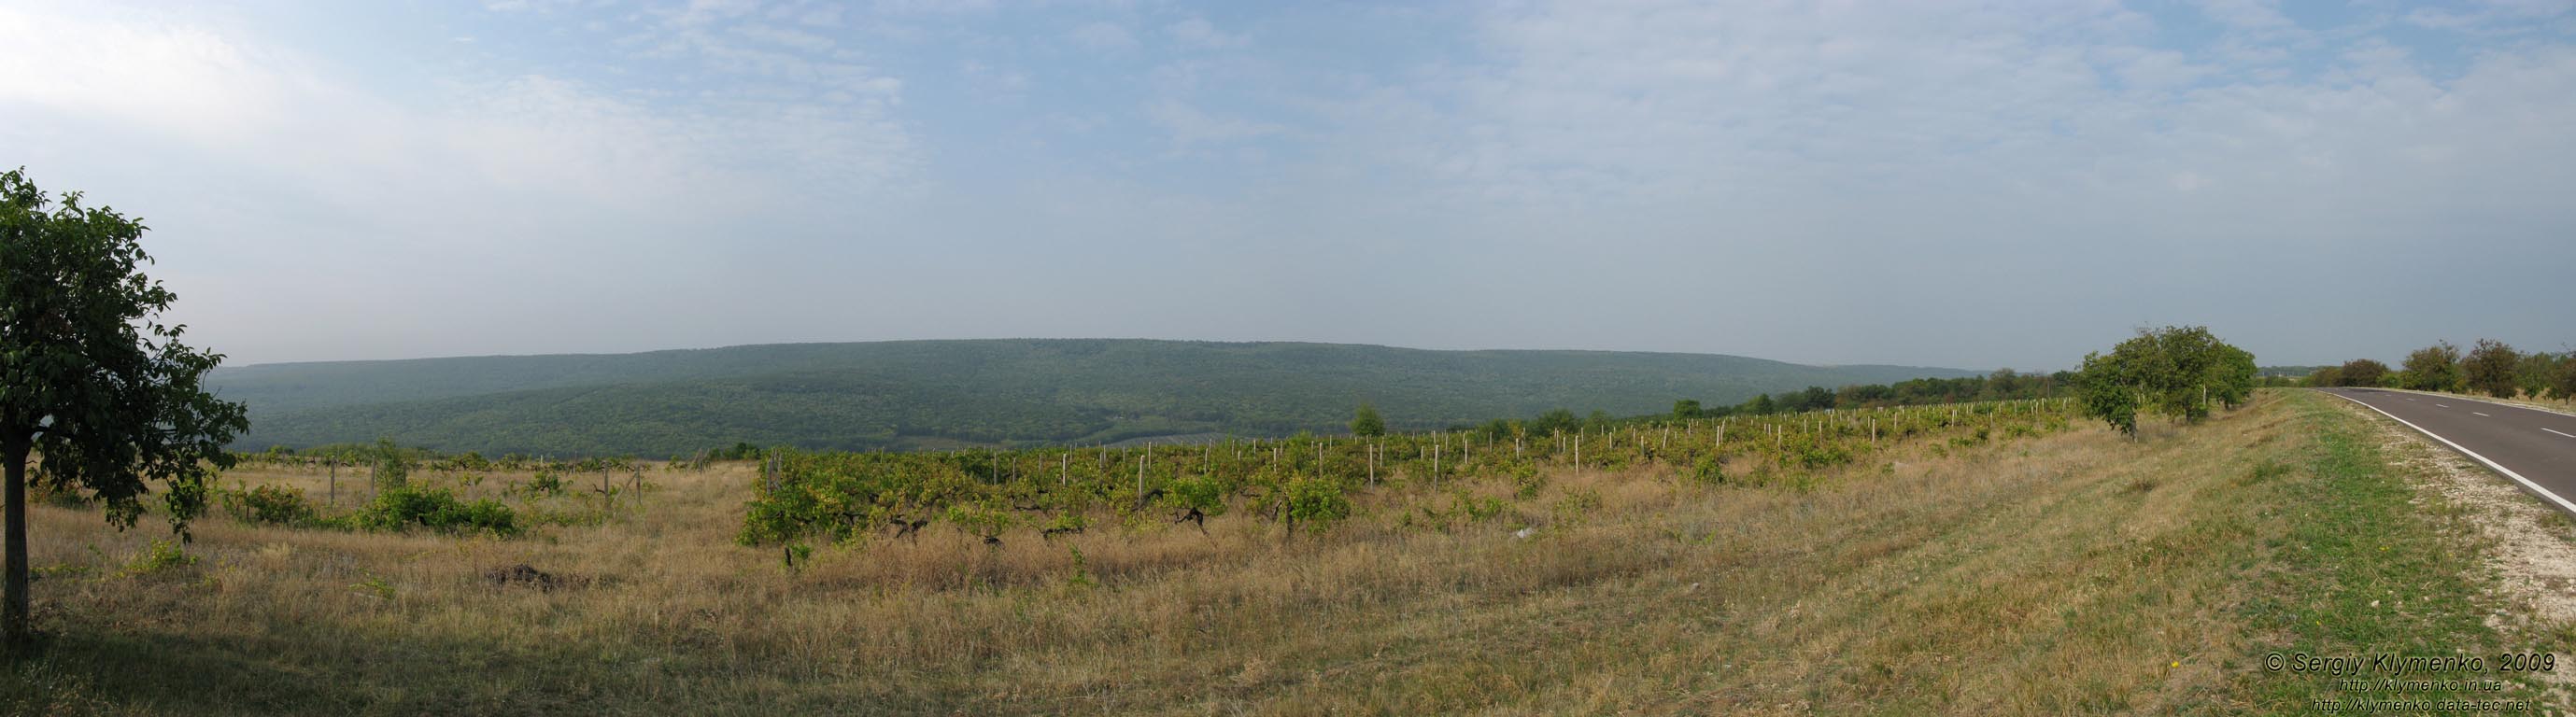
1686	409
1813	398
90	379
1758	405
2175	371
2532	373
2490	368
1554	421
2232	376
2563	380
2109	391
393	466
2433	368
2361	372
1597	420
2325	377
1366	422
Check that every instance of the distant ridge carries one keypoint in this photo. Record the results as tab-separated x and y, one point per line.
941	394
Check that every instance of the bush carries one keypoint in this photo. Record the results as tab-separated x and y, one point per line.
272	504
393	466
160	555
1317	503
2433	368
436	509
2489	369
544	483
1710	470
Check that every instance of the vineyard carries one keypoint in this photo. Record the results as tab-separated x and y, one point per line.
1308	483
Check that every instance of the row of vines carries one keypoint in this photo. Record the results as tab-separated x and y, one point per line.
1309	482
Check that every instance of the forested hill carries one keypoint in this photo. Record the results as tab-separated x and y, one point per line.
929	394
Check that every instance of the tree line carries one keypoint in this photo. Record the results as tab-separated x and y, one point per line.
2490	367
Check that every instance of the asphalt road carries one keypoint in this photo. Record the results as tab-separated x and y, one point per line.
2534	447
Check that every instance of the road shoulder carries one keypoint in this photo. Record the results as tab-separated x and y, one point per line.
2527	547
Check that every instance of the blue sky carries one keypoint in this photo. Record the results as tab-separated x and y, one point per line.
1970	185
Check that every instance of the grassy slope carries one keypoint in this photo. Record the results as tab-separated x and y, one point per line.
914	393
2072	573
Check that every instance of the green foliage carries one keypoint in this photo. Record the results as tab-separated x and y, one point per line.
1686	409
1205	494
2231	377
545	482
1758	405
374	586
1813	457
2174	371
1367	423
271	504
2360	372
1081	574
436	509
2532	373
1709	470
1554	421
981	519
1574	507
2433	368
159	555
2562	380
392	464
1317	503
1308	482
1527	481
2108	391
91	379
2489	369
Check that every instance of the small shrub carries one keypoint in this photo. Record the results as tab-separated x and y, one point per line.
1317	503
393	466
1575	507
1822	456
375	587
545	483
1527	481
160	555
1710	470
984	520
436	509
1081	577
271	504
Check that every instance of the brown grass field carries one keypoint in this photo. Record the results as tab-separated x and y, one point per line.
2078	572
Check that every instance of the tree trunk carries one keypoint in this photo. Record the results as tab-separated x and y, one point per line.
14	627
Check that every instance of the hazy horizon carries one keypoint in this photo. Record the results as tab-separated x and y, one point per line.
240	364
1925	184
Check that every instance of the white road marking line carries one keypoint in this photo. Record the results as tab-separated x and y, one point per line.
2474	413
2562	434
2508	472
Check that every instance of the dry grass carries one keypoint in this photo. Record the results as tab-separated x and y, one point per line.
2078	572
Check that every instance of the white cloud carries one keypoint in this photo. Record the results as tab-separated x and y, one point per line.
1191	127
1103	36
423	198
1198	33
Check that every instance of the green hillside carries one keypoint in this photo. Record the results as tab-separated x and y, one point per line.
918	394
